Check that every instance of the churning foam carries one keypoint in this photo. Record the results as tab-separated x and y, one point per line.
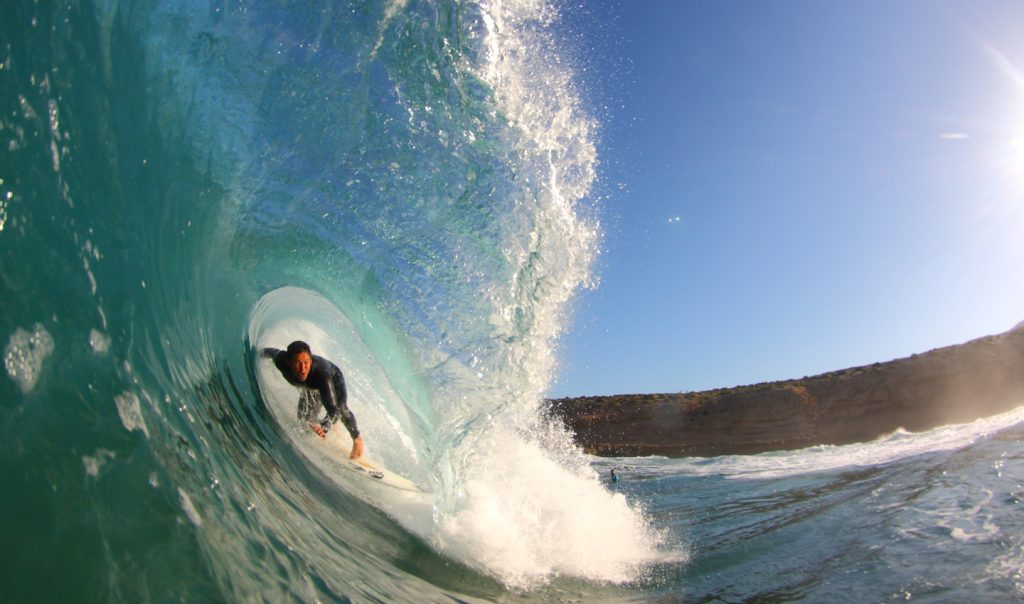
524	515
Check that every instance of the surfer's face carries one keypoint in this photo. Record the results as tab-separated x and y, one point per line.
301	364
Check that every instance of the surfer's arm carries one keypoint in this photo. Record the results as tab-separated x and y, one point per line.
334	397
280	360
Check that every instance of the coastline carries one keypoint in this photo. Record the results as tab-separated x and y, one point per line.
952	384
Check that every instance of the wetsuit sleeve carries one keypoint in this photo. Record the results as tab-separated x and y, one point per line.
334	396
278	357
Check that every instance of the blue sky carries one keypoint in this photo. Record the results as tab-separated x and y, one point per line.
793	187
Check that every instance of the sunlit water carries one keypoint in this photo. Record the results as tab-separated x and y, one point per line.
405	185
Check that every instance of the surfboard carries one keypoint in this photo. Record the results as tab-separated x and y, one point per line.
364	468
382	475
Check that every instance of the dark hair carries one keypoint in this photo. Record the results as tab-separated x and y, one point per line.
298	346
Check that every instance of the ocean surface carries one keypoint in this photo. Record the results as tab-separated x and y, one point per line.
407	185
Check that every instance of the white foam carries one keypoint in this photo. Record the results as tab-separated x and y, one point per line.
1009	565
188	508
24	355
130	412
99	341
974	524
524	517
898	445
988	532
94	463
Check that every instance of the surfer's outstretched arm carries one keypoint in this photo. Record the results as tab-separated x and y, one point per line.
334	397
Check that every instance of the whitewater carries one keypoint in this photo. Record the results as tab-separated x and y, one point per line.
407	185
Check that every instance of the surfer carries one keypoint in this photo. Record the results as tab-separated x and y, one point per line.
316	375
614	477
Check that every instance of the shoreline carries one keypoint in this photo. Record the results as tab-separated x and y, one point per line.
952	384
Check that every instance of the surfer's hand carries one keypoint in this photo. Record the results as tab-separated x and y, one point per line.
319	431
357	448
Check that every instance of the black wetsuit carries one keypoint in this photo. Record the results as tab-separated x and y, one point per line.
324	378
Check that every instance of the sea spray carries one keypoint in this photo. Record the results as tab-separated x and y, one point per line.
477	284
527	516
515	505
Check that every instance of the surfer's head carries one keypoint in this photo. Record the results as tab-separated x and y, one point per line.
300	359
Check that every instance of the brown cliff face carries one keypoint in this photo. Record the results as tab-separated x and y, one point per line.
946	385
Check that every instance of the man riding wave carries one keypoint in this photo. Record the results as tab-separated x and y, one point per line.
316	377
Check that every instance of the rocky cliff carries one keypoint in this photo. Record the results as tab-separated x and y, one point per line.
946	385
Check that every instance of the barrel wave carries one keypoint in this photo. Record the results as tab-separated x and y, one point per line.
400	182
405	184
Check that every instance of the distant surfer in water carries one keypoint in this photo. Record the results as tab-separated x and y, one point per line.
316	375
614	477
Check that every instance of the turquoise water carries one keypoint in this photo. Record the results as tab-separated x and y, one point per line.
404	184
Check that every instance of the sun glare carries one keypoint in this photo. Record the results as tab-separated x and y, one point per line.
1016	167
1010	151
